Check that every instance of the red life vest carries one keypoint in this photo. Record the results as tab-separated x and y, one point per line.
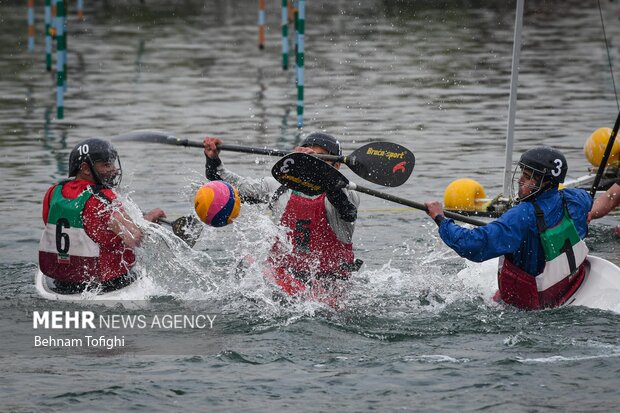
565	264
76	245
316	254
518	288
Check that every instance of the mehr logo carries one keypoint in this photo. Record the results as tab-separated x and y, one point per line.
87	319
63	319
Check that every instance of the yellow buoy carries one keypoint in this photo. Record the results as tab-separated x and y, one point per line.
595	146
464	194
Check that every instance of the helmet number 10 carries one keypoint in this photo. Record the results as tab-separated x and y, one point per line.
83	150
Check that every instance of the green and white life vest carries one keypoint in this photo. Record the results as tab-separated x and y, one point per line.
66	252
564	250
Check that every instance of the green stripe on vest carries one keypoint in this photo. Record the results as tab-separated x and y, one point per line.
69	209
554	239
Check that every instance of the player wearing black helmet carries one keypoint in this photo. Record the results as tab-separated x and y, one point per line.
539	169
320	228
540	239
322	140
102	160
88	238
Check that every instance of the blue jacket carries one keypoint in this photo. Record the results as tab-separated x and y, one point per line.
515	234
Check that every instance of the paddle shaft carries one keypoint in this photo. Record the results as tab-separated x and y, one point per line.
278	152
383	163
257	151
412	204
603	165
378	174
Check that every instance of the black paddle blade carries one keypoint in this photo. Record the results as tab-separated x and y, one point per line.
307	174
188	228
383	163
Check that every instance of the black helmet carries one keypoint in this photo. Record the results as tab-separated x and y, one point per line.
546	161
546	165
325	141
91	151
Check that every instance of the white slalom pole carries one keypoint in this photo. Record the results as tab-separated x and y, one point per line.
30	25
80	9
512	105
261	24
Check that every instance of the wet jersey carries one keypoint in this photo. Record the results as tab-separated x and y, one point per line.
516	233
565	254
316	251
77	245
516	236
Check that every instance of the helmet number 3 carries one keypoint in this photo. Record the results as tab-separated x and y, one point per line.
558	168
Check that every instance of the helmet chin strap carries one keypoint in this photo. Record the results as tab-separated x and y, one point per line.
93	174
97	177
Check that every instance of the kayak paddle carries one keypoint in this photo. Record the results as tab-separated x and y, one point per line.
603	165
188	228
310	175
383	163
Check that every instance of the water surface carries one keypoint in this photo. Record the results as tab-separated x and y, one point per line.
413	335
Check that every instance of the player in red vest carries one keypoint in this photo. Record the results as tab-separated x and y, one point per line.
88	238
540	239
317	253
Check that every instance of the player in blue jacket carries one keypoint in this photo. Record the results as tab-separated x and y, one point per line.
540	240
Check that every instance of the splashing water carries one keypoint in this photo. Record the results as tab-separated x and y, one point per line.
226	268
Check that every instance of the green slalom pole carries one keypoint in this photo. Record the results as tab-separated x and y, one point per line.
296	20
284	34
60	64
300	63
64	52
48	35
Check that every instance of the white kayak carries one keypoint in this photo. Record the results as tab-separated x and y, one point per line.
600	288
134	291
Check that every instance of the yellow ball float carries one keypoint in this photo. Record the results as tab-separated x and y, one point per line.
595	146
465	195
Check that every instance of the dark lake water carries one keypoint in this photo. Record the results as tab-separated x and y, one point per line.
432	76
